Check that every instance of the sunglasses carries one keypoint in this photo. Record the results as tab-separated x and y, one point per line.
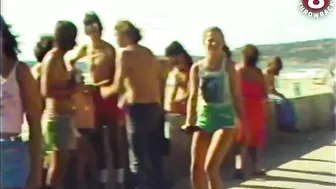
91	27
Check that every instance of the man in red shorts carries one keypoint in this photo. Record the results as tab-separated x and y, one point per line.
101	57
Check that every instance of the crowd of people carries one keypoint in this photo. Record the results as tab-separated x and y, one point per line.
114	115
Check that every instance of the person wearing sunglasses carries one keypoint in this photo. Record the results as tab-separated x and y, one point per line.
109	136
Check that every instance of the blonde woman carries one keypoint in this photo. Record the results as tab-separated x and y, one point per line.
212	107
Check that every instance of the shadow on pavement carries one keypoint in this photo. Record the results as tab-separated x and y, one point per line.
289	148
261	187
317	160
297	180
307	172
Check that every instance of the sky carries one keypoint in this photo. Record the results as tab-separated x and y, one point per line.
242	21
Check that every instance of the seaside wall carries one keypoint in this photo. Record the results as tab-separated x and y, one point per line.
313	110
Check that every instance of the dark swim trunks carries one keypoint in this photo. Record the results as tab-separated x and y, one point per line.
107	116
106	110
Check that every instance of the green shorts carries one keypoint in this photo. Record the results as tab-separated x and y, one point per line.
214	117
59	132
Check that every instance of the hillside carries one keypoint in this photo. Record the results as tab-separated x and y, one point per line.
308	52
313	51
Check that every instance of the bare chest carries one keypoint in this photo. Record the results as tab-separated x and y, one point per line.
99	60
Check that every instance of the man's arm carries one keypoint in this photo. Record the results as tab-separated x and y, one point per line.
120	73
36	71
32	104
79	54
102	83
161	76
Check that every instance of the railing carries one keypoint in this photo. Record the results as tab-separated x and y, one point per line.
298	85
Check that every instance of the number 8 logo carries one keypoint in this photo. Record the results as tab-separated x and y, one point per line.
320	4
315	5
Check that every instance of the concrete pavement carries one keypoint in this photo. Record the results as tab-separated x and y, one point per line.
295	161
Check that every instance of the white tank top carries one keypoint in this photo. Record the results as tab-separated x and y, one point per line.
11	105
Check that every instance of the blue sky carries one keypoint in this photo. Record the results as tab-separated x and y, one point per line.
243	21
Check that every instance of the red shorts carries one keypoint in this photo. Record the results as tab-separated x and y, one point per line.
106	110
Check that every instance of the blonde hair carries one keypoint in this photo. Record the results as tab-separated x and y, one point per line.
126	27
212	29
225	48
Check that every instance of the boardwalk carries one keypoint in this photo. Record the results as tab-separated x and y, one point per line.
304	160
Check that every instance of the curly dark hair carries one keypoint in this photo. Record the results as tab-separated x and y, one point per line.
126	27
44	45
10	45
175	48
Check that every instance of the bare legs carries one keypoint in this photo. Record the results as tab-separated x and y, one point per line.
82	160
58	168
241	160
256	154
257	162
244	158
218	149
119	153
207	156
86	158
111	151
199	147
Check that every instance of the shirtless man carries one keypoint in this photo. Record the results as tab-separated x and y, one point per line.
100	56
273	70
57	87
139	74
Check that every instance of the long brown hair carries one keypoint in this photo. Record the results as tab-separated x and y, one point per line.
175	48
10	44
